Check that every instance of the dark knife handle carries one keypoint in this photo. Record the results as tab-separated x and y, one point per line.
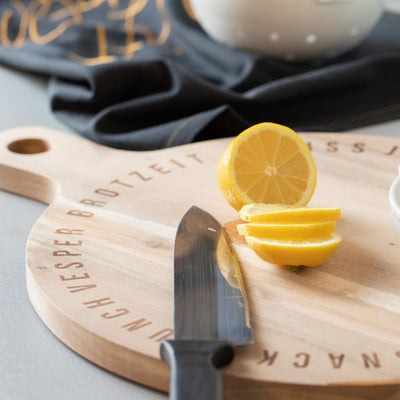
193	365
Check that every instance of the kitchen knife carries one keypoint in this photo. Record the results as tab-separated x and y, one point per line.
210	309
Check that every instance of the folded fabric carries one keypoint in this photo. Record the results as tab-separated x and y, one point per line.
142	74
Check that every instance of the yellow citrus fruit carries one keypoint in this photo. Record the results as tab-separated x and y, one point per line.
287	231
284	214
267	163
309	253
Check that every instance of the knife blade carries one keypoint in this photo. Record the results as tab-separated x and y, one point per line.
210	309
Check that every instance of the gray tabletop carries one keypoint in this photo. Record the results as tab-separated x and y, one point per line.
34	364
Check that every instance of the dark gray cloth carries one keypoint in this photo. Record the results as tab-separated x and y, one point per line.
143	74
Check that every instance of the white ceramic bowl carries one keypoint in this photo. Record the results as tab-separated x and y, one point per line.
294	30
394	200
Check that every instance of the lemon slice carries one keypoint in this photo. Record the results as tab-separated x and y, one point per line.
287	231
309	253
267	163
284	214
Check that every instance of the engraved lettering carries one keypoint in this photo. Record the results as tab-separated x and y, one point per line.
134	325
74	264
74	289
118	313
122	183
165	333
332	146
66	231
358	147
65	253
106	192
67	243
394	148
303	360
143	178
74	277
267	358
195	157
336	360
177	163
161	170
99	303
368	360
95	203
79	213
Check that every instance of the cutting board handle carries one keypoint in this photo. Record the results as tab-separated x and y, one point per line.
39	162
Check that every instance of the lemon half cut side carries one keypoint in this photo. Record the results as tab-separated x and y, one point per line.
267	163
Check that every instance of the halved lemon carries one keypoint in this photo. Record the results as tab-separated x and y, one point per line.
287	231
286	214
267	163
309	253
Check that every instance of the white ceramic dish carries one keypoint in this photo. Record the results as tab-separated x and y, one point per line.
295	30
394	200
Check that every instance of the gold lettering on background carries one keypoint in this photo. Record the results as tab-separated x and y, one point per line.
128	15
103	56
23	25
39	13
188	9
33	28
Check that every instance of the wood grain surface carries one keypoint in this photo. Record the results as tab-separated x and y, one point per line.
100	263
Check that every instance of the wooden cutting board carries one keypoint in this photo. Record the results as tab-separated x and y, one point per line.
100	263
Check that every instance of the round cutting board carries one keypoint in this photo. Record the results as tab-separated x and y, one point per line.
100	263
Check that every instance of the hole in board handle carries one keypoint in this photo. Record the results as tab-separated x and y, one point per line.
29	146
